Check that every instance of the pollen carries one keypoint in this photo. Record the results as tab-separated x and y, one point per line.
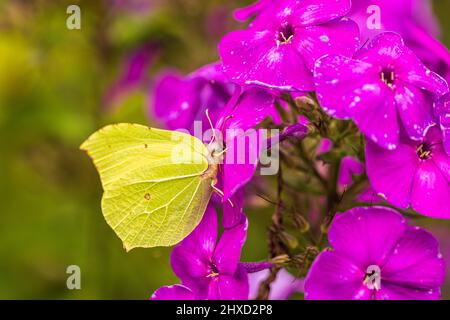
212	275
388	77
285	34
423	152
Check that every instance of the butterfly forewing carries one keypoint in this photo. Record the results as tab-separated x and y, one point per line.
155	192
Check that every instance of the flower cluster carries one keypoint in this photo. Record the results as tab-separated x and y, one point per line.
360	96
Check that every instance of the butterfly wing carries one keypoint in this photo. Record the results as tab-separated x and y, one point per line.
155	192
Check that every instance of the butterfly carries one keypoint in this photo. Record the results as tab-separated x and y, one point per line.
157	183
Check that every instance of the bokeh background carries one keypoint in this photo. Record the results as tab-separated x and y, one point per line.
57	86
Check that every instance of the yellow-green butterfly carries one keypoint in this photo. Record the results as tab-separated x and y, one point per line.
157	183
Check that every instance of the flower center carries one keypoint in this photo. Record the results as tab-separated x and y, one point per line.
423	151
387	75
213	271
285	34
372	278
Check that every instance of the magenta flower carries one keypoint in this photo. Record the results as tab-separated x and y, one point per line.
209	269
416	174
378	16
280	47
443	115
350	166
325	145
413	20
383	83
133	74
433	53
294	131
178	101
376	255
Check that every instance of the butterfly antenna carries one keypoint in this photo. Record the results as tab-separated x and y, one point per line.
221	152
212	127
225	121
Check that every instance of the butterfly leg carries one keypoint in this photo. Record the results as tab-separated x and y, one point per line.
221	194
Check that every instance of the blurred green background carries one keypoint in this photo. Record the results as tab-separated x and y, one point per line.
52	88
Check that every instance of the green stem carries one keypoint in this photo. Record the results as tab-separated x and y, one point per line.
311	165
276	247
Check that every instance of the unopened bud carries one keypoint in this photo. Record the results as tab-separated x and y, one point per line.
301	223
289	240
281	259
305	103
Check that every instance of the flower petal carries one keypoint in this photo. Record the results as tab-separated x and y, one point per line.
388	48
296	131
431	191
366	235
235	175
410	69
313	12
337	37
190	258
251	107
428	49
383	50
229	287
234	287
133	74
415	262
415	110
240	163
443	114
232	213
170	104
391	173
332	277
253	57
178	101
175	292
243	142
341	82
349	166
212	72
303	13
390	291
325	145
442	161
380	110
228	250
369	195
